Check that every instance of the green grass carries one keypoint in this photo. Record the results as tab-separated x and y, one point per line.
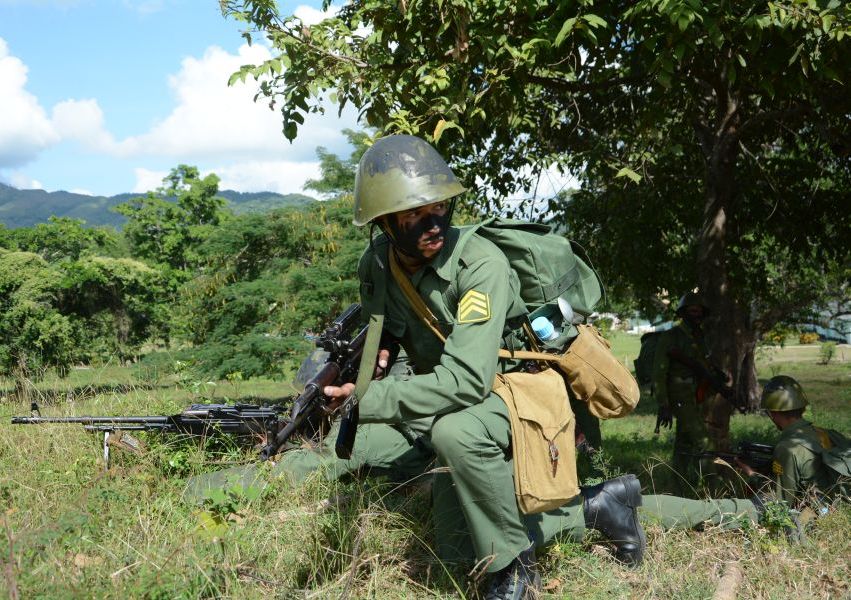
71	530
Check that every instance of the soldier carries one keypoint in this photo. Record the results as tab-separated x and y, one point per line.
404	188
682	379
801	467
810	466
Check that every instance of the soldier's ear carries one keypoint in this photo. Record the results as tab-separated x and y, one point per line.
385	224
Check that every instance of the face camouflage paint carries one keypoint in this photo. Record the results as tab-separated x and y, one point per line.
408	236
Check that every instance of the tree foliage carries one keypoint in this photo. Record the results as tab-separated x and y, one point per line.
166	225
337	176
270	282
710	140
122	302
62	238
34	335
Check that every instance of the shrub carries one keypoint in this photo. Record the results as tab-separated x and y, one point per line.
826	352
808	337
777	335
604	325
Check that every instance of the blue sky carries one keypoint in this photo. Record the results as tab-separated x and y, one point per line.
103	97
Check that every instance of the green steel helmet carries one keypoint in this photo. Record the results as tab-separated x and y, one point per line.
783	393
401	172
692	299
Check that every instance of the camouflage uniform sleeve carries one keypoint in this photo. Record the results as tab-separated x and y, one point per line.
465	374
786	471
661	364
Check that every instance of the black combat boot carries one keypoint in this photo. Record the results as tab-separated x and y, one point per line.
610	508
520	580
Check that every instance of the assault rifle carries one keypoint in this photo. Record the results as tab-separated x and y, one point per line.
343	354
708	378
758	456
337	363
245	420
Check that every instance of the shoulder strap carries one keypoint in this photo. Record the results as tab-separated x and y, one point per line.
416	302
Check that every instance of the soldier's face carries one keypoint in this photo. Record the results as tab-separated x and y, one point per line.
420	231
694	314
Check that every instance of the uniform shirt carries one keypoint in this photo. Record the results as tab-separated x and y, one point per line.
797	464
669	373
471	289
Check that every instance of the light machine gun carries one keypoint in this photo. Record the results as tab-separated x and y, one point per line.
340	353
245	420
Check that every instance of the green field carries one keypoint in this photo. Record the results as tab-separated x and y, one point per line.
71	530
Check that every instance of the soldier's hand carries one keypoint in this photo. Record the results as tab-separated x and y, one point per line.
337	395
744	467
381	366
664	418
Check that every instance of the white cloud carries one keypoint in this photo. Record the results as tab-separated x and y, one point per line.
284	177
311	16
212	125
215	121
21	181
25	129
82	121
147	180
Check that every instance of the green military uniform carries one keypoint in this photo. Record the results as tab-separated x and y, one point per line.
675	386
797	463
673	512
471	289
379	448
798	469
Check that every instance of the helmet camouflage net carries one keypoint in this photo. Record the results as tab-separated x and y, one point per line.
782	393
401	172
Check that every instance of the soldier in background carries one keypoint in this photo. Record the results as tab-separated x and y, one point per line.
811	468
686	386
809	463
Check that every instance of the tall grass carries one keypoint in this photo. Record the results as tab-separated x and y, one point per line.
71	530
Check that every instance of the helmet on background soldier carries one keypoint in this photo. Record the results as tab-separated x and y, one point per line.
691	299
401	172
782	393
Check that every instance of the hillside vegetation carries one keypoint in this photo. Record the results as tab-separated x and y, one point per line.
26	208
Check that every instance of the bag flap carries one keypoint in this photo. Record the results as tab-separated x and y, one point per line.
541	398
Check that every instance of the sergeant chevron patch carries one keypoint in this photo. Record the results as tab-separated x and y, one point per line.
776	468
474	307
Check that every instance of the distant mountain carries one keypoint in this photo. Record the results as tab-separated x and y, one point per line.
25	208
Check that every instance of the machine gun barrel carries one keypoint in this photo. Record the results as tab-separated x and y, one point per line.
84	420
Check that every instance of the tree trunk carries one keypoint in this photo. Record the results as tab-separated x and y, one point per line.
730	332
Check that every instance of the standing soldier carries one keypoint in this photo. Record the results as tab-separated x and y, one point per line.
685	385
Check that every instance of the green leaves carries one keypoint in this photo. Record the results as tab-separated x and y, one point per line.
627	172
565	30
